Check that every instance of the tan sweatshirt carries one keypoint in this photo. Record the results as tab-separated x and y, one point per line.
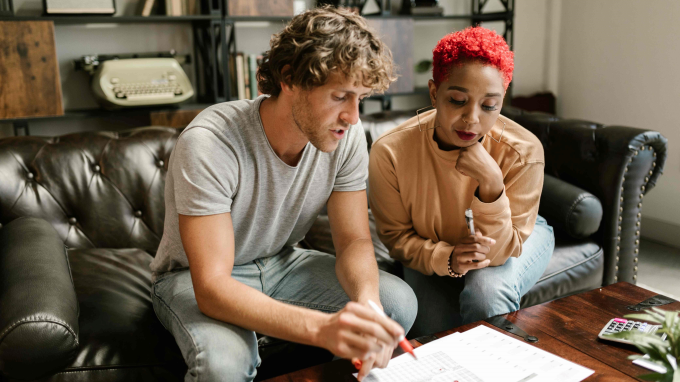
419	199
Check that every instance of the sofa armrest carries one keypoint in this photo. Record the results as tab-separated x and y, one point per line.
570	209
617	164
39	309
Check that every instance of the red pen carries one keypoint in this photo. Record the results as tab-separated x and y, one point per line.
403	342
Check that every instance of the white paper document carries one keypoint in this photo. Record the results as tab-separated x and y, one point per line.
479	355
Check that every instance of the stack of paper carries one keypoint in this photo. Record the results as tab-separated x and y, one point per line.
479	355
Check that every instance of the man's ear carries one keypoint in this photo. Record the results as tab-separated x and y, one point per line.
286	82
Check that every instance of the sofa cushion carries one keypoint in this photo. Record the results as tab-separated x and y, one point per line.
120	336
39	320
575	266
570	209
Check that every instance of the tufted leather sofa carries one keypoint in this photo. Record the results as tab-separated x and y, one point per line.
81	216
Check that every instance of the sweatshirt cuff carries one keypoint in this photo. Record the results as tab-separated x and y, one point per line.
497	207
440	258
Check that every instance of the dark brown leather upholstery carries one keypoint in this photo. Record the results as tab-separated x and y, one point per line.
617	164
38	306
98	190
103	194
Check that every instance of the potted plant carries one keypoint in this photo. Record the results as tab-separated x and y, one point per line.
666	352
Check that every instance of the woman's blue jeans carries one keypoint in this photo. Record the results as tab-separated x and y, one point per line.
445	302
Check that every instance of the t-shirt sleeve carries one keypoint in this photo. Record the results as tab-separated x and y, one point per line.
353	169
205	173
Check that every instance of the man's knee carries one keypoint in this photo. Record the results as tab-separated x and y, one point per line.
398	300
223	352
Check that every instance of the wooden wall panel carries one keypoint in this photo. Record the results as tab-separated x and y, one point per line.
398	35
29	73
260	8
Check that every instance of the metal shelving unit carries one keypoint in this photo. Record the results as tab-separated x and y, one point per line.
113	19
214	36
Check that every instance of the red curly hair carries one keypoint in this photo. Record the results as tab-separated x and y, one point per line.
472	44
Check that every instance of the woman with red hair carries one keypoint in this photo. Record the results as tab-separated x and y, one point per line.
462	155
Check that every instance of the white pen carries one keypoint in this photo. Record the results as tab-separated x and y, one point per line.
470	222
403	342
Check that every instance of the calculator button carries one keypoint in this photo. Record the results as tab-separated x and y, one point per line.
620	320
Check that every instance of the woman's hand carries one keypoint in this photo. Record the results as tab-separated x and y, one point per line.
471	253
476	163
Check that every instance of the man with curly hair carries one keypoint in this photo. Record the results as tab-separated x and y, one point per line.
246	181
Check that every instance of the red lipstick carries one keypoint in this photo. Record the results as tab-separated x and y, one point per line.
465	135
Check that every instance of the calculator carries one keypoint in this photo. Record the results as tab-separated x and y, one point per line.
616	325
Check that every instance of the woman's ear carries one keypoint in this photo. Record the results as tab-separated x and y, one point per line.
433	92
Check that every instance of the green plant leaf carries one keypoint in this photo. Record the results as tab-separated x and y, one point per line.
423	66
646	317
670	317
653	377
662	352
657	312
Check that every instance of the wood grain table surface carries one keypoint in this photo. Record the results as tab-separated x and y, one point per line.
567	327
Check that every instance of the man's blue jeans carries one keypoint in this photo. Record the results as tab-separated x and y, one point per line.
217	351
485	292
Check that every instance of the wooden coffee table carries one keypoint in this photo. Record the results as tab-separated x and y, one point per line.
567	327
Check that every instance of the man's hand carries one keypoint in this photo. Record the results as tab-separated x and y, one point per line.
358	332
475	162
380	360
469	250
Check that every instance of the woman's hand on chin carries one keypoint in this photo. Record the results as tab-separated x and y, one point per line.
474	161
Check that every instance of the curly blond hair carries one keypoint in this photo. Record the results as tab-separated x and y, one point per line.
321	41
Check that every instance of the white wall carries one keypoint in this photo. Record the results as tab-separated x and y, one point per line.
536	44
619	65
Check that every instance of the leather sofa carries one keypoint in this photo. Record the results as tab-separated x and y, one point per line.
81	217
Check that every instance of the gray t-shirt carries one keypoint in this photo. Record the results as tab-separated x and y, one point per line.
223	162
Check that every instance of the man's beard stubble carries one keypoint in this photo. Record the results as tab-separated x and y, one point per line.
305	121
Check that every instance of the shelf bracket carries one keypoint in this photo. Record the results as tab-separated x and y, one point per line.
21	125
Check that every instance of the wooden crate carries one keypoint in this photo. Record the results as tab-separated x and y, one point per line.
29	73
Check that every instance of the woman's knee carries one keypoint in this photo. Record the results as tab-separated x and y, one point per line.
492	297
398	300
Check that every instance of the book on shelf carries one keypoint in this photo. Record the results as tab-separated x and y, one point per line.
148	6
243	71
182	7
253	65
240	80
246	76
192	7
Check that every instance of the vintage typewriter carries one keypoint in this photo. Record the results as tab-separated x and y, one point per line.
137	79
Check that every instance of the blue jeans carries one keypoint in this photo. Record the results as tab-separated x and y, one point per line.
485	292
214	350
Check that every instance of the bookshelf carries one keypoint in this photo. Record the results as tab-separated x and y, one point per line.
213	36
114	19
